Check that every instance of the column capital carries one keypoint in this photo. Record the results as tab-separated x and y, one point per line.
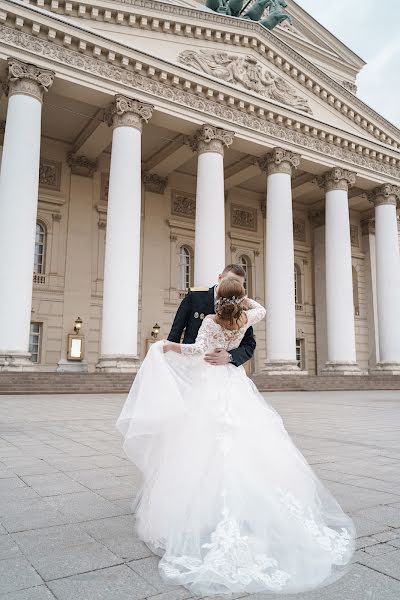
337	179
81	165
28	79
385	194
211	139
279	161
127	112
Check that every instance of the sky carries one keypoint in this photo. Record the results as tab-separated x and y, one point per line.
371	29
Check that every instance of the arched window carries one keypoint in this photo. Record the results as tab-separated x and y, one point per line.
40	248
185	268
245	263
298	296
356	299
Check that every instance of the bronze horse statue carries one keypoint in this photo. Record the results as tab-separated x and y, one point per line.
276	14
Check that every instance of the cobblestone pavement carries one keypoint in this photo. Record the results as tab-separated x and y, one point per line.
66	527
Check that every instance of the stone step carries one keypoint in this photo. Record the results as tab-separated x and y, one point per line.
102	383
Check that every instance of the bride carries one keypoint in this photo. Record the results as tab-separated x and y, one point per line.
227	500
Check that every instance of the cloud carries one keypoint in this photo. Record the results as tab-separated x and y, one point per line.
370	29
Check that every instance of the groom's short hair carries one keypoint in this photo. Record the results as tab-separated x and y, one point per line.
236	269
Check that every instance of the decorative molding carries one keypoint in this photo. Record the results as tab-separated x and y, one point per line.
211	139
385	194
317	217
355	236
279	161
244	217
263	208
28	79
299	230
154	183
337	179
50	174
104	187
350	86
81	165
183	204
127	112
368	226
288	130
247	71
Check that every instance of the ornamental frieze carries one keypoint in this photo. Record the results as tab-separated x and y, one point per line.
246	71
299	230
183	204
50	174
244	217
195	102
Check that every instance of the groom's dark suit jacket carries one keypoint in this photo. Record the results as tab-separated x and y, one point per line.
197	304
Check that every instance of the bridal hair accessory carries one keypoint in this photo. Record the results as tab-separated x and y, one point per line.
233	300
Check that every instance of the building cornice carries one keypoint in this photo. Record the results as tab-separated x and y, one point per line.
193	23
182	88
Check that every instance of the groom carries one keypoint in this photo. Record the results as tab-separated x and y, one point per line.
197	304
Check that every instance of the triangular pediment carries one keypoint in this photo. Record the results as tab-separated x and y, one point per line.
235	61
241	71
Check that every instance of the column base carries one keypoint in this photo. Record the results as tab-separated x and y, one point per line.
72	366
118	363
386	368
17	361
282	367
335	368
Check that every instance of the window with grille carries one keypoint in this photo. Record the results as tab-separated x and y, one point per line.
244	262
300	353
40	248
185	268
35	339
297	285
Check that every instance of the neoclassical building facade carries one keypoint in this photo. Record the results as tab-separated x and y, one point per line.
145	144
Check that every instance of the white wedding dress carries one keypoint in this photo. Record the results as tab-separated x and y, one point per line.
227	501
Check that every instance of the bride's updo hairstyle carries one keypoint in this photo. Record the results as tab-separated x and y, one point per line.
230	296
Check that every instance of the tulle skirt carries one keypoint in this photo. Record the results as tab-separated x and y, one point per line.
228	501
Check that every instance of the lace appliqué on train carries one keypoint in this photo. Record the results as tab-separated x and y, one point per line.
230	555
335	542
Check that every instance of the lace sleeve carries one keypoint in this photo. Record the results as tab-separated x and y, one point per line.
200	345
255	312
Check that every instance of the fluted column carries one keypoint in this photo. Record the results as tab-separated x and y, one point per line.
385	199
279	262
339	280
209	257
119	333
19	183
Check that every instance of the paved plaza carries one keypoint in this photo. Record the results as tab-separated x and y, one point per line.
66	525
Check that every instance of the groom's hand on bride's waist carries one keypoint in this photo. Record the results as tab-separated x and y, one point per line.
218	357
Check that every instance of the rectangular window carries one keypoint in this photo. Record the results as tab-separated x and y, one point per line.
300	354
35	340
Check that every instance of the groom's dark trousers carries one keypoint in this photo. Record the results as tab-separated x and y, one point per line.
197	304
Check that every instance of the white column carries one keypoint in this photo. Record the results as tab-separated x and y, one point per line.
279	262
385	200
209	255
119	334
339	280
19	183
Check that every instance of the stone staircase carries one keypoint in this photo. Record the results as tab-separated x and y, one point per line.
113	383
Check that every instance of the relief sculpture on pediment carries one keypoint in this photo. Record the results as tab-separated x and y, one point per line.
245	70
